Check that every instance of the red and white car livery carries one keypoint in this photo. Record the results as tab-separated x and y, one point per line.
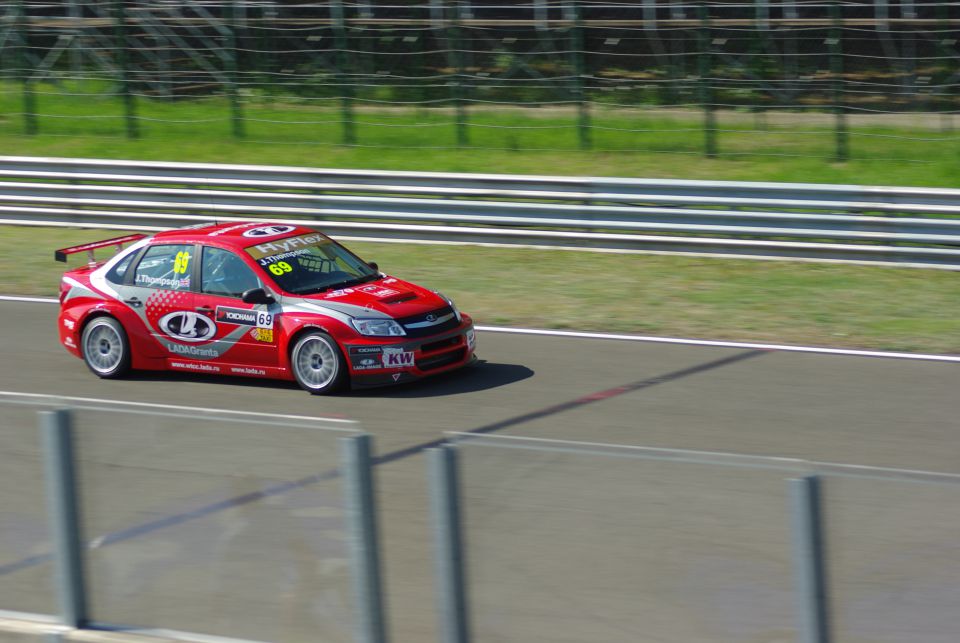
255	299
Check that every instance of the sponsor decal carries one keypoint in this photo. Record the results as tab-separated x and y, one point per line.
188	326
396	376
192	351
163	282
239	226
69	342
269	231
262	334
339	293
471	339
69	323
379	291
396	358
274	250
365	350
247	370
244	317
366	363
391	280
193	366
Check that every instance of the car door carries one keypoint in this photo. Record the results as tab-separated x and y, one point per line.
246	331
160	291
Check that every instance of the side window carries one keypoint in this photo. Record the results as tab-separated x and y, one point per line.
116	273
224	273
166	267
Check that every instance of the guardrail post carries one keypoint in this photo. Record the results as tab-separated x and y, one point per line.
809	563
346	89
24	71
705	59
123	59
836	72
451	590
63	514
364	551
579	72
232	51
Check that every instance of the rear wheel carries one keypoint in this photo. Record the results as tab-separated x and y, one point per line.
317	363
105	348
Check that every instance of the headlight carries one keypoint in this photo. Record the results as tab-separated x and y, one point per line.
450	303
378	327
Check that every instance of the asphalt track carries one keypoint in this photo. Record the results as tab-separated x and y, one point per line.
852	409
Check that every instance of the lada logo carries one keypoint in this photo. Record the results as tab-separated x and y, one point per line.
268	231
431	317
188	327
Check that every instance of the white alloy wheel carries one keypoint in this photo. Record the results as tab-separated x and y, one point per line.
105	347
318	364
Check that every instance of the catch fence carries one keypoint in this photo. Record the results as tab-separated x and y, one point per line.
841	79
197	524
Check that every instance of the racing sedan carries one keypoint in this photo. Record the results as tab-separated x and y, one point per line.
257	300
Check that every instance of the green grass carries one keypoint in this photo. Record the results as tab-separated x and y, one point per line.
781	302
308	133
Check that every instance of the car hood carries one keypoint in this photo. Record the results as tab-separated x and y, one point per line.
386	297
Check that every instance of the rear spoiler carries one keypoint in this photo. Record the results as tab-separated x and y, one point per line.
61	255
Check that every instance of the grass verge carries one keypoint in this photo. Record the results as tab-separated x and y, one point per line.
768	301
641	142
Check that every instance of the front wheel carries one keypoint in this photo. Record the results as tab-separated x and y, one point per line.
317	363
105	348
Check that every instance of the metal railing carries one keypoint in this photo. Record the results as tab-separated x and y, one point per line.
892	225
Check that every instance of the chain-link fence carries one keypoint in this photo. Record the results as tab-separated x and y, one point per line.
865	79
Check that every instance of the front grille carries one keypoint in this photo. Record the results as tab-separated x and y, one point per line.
439	361
443	343
426	331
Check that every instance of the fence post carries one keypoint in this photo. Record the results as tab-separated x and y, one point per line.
129	104
63	514
944	52
836	72
809	564
456	60
579	71
706	90
232	51
25	73
360	499
346	89
451	590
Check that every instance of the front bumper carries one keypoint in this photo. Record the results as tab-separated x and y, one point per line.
381	364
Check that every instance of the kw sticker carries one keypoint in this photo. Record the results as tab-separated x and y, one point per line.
396	358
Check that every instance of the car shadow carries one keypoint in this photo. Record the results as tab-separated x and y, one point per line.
481	376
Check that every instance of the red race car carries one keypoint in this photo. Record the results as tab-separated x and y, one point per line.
256	299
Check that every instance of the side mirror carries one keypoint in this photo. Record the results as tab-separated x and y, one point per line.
257	296
373	264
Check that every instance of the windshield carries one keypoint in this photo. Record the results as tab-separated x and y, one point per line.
310	263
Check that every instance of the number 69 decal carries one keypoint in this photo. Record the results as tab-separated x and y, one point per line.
264	319
280	267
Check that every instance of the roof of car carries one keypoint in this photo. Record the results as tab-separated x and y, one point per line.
237	235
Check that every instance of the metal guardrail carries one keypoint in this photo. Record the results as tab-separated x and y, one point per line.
903	226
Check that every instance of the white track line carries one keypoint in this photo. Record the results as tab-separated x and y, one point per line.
707	342
201	409
660	340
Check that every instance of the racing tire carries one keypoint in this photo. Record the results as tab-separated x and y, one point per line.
105	348
317	364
